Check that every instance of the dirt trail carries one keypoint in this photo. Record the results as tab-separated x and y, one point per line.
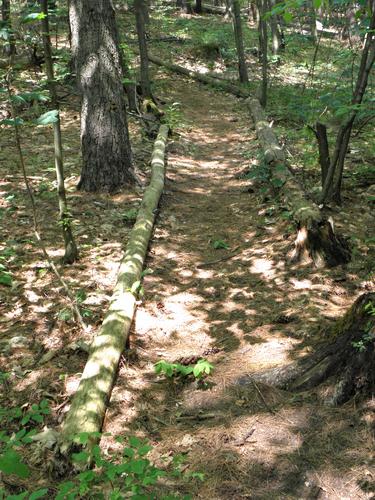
238	306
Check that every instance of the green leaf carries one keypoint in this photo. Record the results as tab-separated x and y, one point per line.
10	463
287	17
33	96
220	244
83	456
135	442
276	182
32	17
203	366
11	121
185	370
49	117
138	466
317	4
38	494
5	278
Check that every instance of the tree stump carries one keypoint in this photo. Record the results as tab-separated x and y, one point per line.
346	364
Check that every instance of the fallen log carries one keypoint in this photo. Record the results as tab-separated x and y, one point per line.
200	77
89	403
214	9
346	363
316	238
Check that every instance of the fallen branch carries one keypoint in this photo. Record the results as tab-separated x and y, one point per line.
89	403
235	252
316	239
200	77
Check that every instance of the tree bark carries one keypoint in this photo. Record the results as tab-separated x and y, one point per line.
10	48
316	239
219	84
332	185
263	49
324	160
198	7
347	361
71	251
140	8
106	153
278	42
89	403
237	28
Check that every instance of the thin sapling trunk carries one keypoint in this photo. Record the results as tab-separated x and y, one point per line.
71	252
237	28
140	9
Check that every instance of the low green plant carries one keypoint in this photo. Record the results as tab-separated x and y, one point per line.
198	370
368	336
126	473
173	116
220	244
130	215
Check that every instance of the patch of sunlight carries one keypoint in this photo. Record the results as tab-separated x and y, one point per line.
186	273
262	266
71	385
301	284
31	296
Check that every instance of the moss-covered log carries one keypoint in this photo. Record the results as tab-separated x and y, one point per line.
347	362
90	401
214	9
200	77
316	238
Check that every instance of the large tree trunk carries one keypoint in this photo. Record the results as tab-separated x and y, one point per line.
347	362
106	154
89	403
316	238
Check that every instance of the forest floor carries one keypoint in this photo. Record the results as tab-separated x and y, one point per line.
244	313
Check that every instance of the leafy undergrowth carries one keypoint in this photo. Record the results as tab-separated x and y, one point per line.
243	314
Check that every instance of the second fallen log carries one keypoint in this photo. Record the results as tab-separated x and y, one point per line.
316	237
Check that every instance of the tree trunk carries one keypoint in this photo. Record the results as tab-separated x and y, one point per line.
71	252
263	49
321	135
316	239
346	363
278	42
106	154
237	28
312	20
140	7
198	6
10	48
332	185
89	403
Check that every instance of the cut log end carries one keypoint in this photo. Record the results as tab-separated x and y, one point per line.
318	243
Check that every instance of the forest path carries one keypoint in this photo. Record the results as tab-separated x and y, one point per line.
232	313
